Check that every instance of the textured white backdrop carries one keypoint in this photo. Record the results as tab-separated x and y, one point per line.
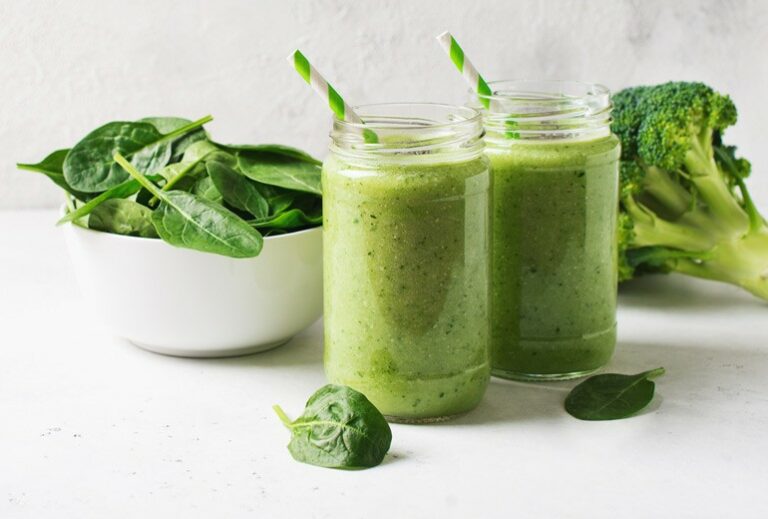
68	66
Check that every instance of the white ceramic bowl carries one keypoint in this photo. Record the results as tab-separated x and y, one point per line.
193	304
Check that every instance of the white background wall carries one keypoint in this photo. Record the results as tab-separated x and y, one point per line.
69	66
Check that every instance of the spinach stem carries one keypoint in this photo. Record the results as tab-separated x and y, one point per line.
187	127
173	181
141	179
654	373
283	417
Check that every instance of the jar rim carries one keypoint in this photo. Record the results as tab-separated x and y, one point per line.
543	91
544	110
410	129
468	116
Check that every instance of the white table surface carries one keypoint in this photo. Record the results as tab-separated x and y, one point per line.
91	426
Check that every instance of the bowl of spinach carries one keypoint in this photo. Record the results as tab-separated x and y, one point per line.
187	246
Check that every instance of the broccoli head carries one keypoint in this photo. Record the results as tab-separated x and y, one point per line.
684	203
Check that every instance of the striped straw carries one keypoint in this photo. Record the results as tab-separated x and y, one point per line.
329	94
468	71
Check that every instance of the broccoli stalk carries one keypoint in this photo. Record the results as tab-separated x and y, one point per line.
685	206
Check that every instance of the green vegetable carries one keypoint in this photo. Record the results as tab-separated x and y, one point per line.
52	167
238	191
684	203
186	220
121	216
205	189
127	188
291	219
280	170
212	205
611	396
279	149
340	428
89	165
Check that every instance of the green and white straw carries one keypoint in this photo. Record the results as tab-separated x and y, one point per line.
467	69
329	94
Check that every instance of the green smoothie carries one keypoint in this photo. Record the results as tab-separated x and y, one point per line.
554	256
406	261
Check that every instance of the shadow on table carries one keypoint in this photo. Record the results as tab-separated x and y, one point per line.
676	291
304	349
693	375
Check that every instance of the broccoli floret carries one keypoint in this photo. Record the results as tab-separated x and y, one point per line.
684	204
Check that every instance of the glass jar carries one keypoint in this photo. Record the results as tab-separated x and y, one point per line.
406	260
554	164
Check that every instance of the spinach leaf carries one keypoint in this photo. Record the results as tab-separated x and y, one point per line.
182	175
169	124
89	166
52	167
121	216
204	188
124	190
201	149
166	124
186	220
238	191
279	149
280	170
290	219
611	396
280	202
340	428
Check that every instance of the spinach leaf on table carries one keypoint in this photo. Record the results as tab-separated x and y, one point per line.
120	216
186	220
280	170
238	191
89	166
340	428
612	396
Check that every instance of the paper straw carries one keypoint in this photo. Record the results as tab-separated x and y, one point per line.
468	71
329	94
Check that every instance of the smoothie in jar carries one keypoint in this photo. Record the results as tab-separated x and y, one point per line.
555	197
406	259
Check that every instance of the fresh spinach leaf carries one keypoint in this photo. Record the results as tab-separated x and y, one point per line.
166	125
52	167
124	190
89	166
186	220
340	428
290	219
169	124
280	202
280	170
182	175
201	149
611	396
238	191
206	189
279	149
120	216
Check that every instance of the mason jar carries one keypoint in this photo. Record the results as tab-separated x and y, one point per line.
406	259
555	168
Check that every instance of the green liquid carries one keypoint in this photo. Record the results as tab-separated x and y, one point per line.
554	257
406	262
